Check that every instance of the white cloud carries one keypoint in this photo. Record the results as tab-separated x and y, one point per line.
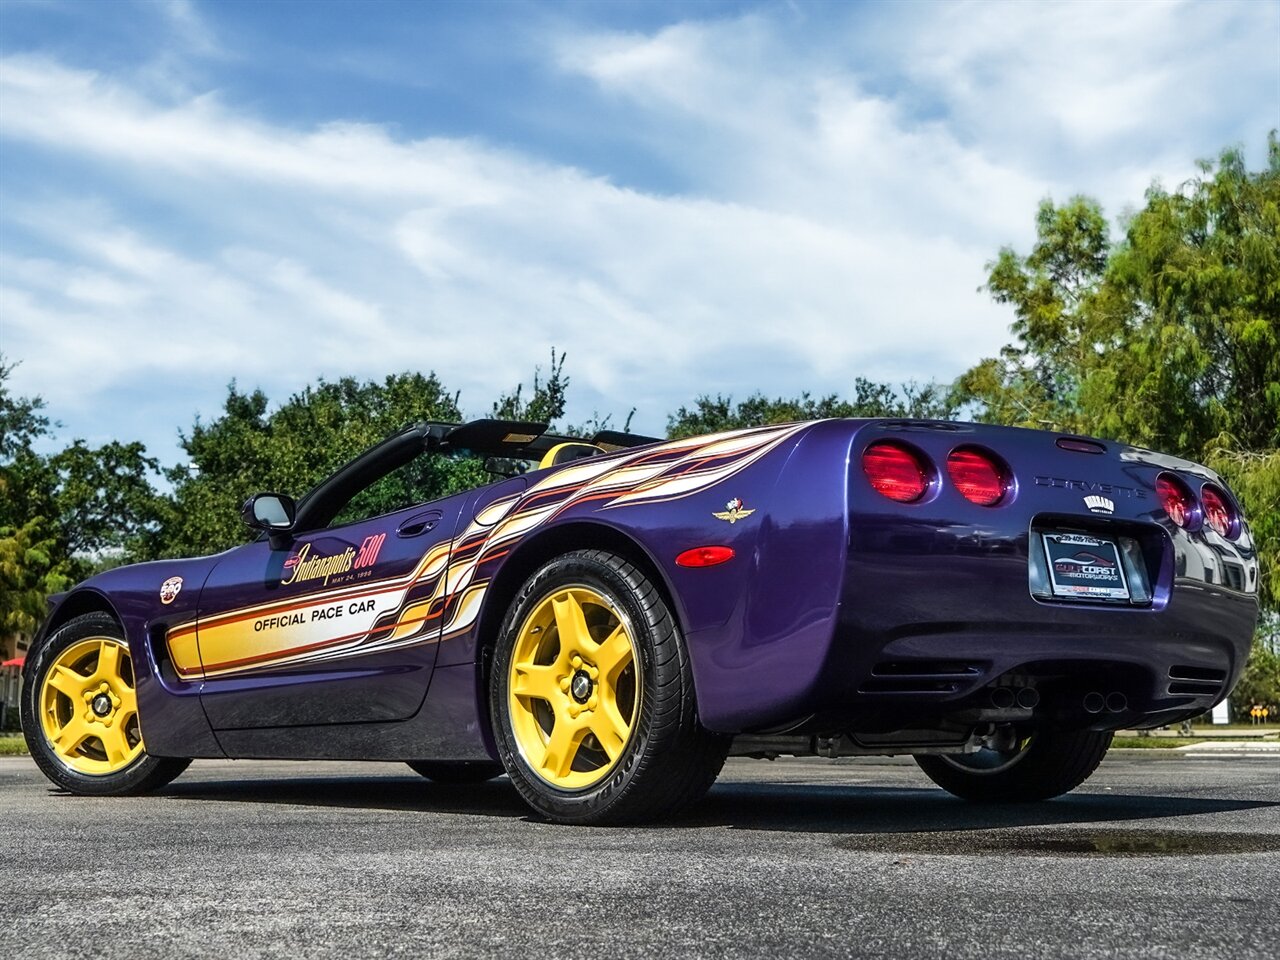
832	227
190	28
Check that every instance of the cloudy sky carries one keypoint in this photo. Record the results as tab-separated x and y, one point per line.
687	197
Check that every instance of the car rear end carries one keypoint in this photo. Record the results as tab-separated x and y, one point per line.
1004	575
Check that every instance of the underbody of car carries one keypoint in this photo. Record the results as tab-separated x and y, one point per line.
995	601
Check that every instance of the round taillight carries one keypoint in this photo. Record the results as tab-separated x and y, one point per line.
1177	500
978	475
896	471
1218	512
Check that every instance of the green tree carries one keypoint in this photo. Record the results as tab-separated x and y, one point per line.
870	399
1260	685
545	404
251	448
33	563
65	514
1168	339
1041	379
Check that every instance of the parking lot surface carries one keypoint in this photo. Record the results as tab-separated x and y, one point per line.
1161	854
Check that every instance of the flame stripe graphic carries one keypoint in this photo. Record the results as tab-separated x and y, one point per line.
443	595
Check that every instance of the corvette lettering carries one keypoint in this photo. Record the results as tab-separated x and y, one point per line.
1091	486
303	567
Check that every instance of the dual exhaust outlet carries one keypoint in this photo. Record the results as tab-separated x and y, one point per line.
1006	698
1028	698
1115	702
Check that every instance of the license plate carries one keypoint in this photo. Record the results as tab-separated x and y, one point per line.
1084	568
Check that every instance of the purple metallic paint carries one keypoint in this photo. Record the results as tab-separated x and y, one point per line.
830	580
368	688
172	721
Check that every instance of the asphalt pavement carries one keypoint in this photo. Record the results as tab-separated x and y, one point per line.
1162	854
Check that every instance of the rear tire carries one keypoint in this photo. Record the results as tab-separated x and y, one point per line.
80	713
1042	766
457	771
591	697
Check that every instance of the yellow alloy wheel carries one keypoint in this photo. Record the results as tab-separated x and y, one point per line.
89	709
574	687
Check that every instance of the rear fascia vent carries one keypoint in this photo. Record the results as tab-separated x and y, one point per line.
1193	681
921	676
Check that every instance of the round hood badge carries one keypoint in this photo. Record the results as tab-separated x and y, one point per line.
169	590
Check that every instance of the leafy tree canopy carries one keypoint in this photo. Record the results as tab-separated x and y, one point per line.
61	514
250	448
1168	338
870	399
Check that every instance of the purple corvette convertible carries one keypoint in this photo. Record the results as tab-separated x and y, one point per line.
607	621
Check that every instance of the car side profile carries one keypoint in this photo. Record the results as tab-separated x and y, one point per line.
609	619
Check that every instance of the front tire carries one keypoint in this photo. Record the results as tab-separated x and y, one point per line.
80	713
1037	767
592	700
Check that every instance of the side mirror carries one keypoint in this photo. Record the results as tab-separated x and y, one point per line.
273	513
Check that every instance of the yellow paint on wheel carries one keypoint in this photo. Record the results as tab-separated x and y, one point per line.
574	688
89	709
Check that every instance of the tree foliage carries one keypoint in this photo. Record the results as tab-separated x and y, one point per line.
1168	339
870	399
250	448
1260	685
545	403
41	502
1167	336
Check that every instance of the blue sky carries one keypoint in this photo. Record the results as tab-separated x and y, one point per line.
687	197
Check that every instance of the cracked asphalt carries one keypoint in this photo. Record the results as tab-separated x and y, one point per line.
1161	854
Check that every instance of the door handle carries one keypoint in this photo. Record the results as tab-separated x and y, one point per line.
418	525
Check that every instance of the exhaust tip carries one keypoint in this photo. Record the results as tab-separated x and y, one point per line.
1117	702
1002	698
1094	702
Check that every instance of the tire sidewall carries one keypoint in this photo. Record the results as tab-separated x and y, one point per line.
42	752
594	802
1052	764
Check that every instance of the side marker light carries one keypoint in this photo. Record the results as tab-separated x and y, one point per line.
704	556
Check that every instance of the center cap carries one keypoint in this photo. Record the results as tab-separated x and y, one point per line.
580	686
101	704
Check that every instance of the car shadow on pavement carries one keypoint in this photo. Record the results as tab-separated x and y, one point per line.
785	807
495	798
825	808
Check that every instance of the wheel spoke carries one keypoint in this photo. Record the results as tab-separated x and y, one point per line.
67	682
115	744
571	623
608	728
128	703
72	735
109	660
562	747
614	654
535	680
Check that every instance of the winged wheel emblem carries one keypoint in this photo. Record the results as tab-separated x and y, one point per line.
733	511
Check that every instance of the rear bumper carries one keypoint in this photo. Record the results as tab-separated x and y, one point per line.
858	613
923	637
